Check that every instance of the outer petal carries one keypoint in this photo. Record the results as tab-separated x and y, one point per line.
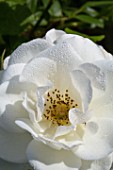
29	50
43	157
84	47
38	71
13	146
63	54
4	165
11	104
52	35
83	85
102	164
107	55
12	71
97	140
6	61
11	113
102	106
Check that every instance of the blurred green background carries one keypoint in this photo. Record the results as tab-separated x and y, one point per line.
23	20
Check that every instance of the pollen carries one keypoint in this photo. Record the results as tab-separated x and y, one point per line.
57	106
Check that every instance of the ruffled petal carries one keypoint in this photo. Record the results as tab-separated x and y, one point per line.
43	157
95	74
11	113
4	165
11	106
84	47
29	50
78	117
83	85
13	146
64	55
39	71
97	139
63	130
41	100
53	34
27	125
11	71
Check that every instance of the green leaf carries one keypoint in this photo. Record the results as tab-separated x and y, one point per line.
10	19
90	20
45	2
93	38
98	3
32	5
14	2
55	9
32	19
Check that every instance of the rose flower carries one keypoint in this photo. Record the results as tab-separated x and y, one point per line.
56	104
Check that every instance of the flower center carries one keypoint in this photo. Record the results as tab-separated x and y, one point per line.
57	106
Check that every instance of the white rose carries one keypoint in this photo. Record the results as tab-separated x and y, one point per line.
56	104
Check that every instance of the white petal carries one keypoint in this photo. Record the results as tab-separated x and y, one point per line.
4	165
29	50
34	128
63	54
105	110
13	146
43	157
15	87
41	100
78	117
11	113
52	35
107	55
62	130
29	106
97	140
11	106
39	71
1	72
27	125
83	85
106	99
11	71
95	74
6	61
102	164
7	98
84	47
